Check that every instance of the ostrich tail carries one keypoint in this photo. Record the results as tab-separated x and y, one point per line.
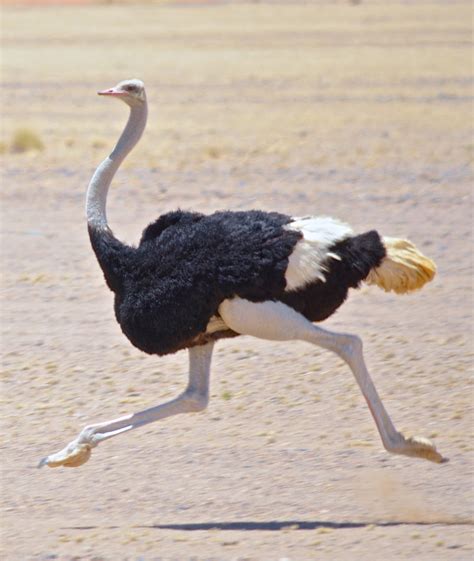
403	269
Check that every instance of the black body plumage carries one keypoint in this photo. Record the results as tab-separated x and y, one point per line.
168	288
358	255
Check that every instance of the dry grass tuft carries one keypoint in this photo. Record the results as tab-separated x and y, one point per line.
25	140
213	152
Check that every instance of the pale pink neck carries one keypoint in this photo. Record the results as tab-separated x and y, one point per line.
99	185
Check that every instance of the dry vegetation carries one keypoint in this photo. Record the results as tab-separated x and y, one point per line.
361	111
25	140
248	82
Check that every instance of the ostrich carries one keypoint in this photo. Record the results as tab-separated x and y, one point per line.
195	279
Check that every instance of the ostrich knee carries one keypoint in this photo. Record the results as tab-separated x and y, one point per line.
194	401
349	346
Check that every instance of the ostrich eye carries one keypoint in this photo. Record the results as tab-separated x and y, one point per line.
130	88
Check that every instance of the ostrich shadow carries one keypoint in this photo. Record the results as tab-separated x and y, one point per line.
278	525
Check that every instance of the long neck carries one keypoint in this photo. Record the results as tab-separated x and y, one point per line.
114	257
102	178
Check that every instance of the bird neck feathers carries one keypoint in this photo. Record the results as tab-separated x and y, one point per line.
115	258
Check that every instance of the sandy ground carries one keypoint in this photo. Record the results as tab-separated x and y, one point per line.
361	112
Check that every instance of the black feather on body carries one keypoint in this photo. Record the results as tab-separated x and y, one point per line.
168	288
358	255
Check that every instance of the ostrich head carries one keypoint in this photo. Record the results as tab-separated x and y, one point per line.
130	91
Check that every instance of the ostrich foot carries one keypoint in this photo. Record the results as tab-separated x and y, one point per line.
79	450
418	447
74	454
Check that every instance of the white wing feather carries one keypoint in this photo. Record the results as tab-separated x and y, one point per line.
309	259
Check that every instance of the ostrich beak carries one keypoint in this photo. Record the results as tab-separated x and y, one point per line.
111	91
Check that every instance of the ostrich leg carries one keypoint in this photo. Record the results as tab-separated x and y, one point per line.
193	399
278	322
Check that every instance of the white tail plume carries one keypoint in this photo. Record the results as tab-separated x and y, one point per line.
403	269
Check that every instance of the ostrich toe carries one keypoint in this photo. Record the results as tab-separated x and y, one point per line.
419	447
73	455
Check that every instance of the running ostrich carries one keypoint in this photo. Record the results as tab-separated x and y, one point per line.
194	279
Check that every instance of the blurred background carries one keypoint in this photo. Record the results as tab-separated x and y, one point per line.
355	89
